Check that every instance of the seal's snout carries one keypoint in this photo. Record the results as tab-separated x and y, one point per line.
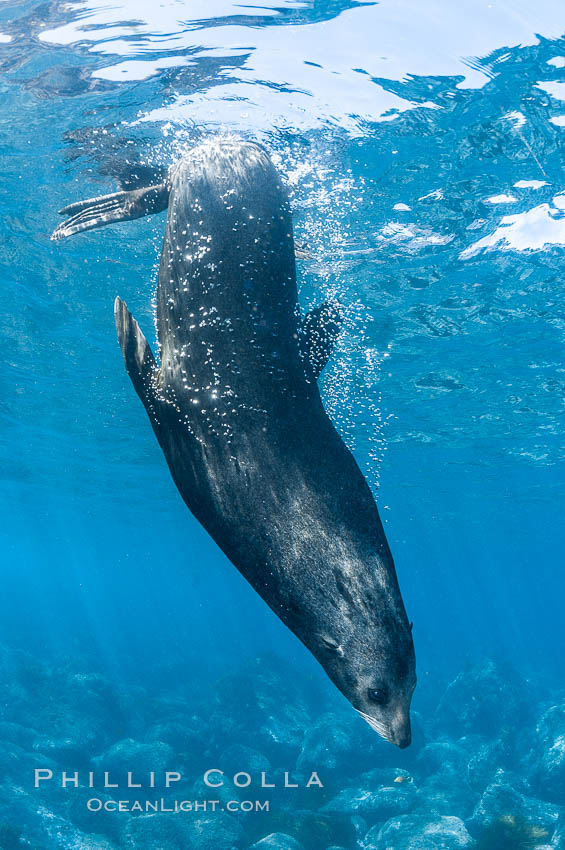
401	733
403	739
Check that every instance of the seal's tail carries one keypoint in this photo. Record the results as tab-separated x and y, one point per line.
108	209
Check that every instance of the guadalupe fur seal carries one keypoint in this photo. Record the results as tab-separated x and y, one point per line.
237	412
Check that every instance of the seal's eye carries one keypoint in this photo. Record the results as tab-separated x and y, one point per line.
378	695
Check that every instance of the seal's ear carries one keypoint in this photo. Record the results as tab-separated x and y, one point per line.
108	209
320	330
139	360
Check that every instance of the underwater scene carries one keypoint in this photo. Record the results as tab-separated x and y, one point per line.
150	696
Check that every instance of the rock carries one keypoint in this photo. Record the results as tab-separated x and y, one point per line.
20	814
503	811
443	758
359	824
277	841
157	831
17	765
558	839
225	793
314	829
67	750
490	759
418	832
164	831
444	789
44	828
379	795
10	837
440	797
238	758
484	700
547	758
373	805
218	831
135	757
379	776
78	841
275	726
15	733
338	746
74	713
76	811
183	737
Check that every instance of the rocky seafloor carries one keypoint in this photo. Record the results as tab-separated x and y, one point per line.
486	768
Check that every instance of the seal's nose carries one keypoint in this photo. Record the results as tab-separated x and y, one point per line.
401	731
404	740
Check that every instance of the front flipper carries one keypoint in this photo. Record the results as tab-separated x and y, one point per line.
320	329
139	360
108	209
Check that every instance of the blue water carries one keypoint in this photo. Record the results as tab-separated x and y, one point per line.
422	145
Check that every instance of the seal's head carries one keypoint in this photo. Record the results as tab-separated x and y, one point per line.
374	667
383	695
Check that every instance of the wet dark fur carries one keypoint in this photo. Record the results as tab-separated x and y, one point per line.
237	411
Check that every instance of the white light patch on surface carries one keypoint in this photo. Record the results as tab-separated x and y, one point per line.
413	237
136	69
554	88
501	199
310	73
518	119
541	227
530	184
237	104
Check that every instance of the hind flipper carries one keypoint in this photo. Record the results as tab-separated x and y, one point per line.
108	209
139	360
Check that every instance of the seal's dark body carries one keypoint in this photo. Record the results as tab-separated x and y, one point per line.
237	411
265	441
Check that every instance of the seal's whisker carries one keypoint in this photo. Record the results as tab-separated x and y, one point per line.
375	724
